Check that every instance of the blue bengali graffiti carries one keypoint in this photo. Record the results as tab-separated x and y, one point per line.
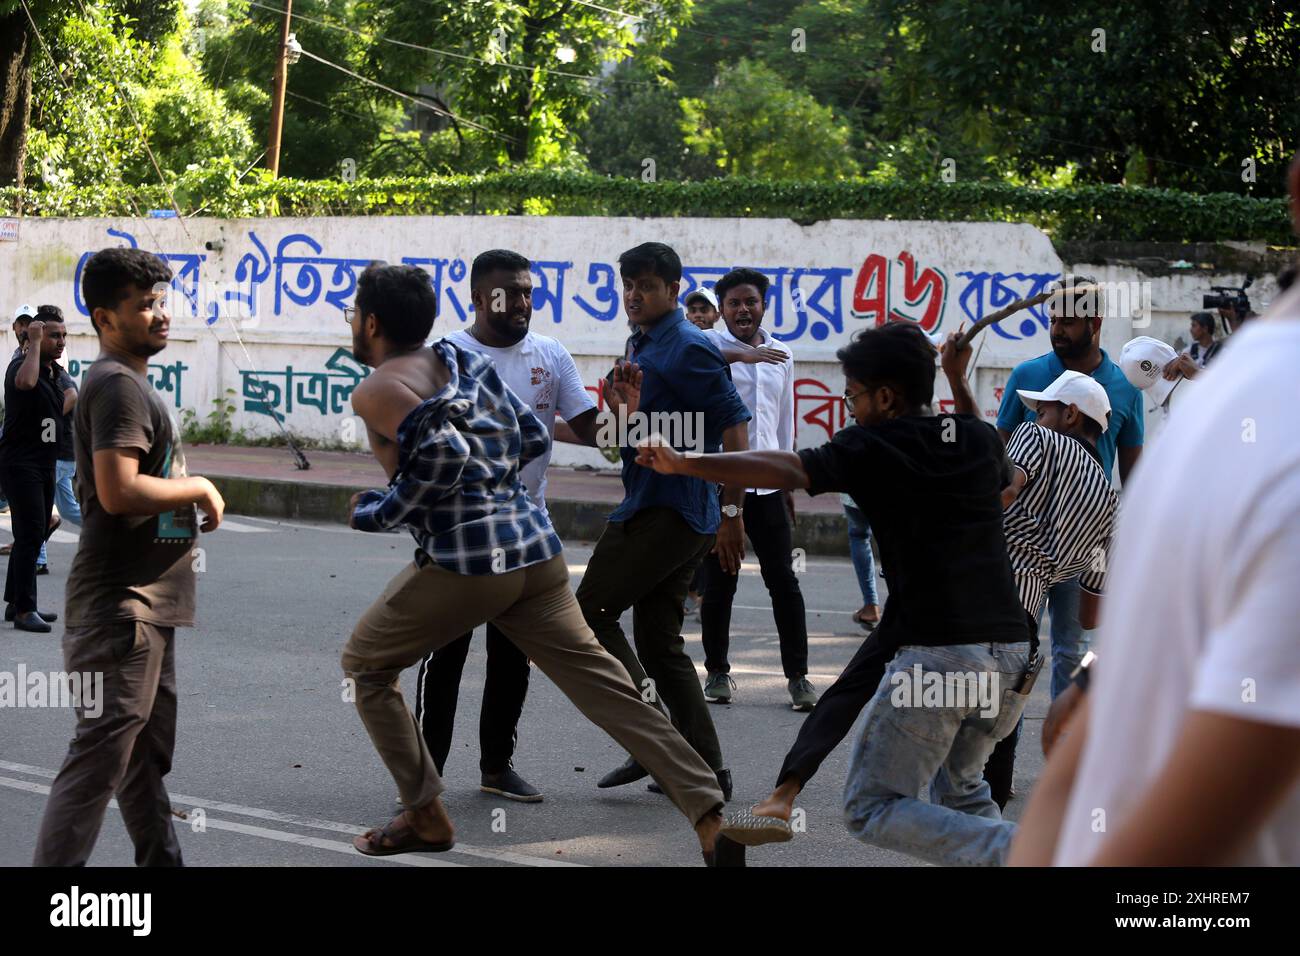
804	304
987	292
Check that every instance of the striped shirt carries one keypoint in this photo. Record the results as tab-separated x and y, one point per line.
1060	525
457	485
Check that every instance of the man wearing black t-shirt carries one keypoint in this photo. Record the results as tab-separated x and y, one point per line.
34	407
954	627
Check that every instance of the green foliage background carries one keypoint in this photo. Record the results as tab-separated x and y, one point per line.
1123	119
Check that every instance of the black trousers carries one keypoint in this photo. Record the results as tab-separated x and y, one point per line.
1000	769
646	563
504	690
837	710
30	492
767	525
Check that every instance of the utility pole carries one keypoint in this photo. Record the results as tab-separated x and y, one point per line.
277	96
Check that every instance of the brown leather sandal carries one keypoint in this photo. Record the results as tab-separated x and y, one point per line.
397	836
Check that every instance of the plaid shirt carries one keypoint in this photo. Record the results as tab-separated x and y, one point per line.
457	485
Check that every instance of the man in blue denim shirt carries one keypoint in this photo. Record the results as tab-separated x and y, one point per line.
666	524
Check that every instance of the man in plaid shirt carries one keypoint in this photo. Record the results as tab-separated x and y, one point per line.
453	438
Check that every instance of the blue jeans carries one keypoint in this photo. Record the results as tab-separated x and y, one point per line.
864	562
1069	640
65	499
902	747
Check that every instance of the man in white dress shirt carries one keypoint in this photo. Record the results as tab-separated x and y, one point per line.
768	392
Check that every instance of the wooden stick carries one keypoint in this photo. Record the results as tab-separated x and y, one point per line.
1017	306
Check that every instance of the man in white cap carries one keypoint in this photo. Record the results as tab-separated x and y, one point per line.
1077	312
1186	748
1058	511
702	308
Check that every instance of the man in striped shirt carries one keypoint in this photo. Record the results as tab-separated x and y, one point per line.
453	438
1059	509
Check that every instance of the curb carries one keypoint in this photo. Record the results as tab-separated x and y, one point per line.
820	534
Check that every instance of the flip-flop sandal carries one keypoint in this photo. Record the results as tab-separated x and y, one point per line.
750	829
403	840
865	625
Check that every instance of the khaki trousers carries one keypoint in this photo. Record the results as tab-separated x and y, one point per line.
125	750
424	608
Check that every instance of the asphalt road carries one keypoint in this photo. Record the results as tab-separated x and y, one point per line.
283	770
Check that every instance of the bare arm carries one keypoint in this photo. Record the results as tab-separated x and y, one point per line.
383	402
730	543
1222	779
1127	459
1040	826
122	490
1089	609
1012	491
581	429
955	362
29	373
733	352
747	469
69	399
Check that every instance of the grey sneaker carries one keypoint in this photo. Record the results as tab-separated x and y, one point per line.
510	785
802	695
717	688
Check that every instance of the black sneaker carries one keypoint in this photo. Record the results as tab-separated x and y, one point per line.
510	785
42	569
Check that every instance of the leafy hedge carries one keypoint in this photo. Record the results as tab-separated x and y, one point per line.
1073	213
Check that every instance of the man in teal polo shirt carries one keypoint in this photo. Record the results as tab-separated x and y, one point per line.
1076	335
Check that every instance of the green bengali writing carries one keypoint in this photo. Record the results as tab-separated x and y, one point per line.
164	378
276	392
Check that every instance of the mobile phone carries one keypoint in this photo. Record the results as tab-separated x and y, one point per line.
1031	674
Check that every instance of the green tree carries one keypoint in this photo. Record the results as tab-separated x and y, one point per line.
1173	95
528	70
633	123
113	98
752	124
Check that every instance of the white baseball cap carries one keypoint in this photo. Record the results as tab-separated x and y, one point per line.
27	310
1143	360
705	294
1073	388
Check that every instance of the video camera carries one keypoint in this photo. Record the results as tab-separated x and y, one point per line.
1230	297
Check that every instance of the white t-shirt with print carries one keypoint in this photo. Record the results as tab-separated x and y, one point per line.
1202	615
543	374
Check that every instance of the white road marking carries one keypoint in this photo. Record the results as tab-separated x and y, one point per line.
279	836
239	526
181	801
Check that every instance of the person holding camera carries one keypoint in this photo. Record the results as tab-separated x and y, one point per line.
1197	355
34	417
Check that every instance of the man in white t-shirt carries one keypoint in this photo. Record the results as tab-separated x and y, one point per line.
542	373
1187	749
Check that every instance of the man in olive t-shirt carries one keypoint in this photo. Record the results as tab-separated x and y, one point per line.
132	581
